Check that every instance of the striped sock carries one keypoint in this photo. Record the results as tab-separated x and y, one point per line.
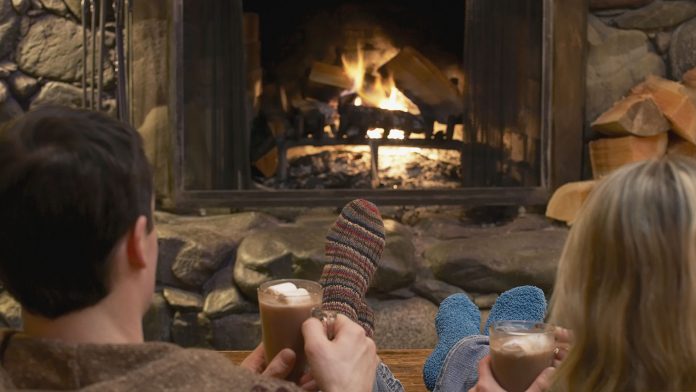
354	246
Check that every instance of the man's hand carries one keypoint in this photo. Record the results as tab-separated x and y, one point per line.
346	363
279	367
486	381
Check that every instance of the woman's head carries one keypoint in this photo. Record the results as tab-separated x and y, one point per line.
626	282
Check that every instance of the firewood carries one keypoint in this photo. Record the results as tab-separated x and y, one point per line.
636	115
425	84
679	146
330	75
568	199
676	101
607	155
268	163
690	78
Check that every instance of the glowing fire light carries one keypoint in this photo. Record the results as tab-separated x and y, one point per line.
378	133
379	92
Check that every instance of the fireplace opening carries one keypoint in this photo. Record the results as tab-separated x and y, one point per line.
384	94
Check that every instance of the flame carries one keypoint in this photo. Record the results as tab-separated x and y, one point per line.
378	133
372	88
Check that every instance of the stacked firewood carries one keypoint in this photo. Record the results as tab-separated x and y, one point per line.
658	117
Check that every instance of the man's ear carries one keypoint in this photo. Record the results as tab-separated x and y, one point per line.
137	243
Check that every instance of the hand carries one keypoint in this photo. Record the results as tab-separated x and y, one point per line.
564	340
279	367
346	363
486	381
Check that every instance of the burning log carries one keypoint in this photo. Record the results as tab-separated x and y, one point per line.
676	101
330	75
636	115
568	199
607	155
357	120
428	87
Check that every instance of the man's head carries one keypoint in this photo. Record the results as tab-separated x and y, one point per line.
73	185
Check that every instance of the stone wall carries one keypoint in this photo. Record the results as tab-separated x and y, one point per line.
631	39
41	56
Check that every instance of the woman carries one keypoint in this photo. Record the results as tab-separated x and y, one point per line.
626	285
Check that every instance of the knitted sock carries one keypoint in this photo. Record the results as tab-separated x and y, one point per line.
354	246
457	318
524	303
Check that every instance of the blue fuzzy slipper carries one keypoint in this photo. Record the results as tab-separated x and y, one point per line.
457	318
521	303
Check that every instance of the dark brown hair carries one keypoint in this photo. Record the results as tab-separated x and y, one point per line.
72	183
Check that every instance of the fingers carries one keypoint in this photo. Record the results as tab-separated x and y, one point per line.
256	360
281	365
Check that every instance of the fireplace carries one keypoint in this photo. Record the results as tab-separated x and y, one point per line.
260	103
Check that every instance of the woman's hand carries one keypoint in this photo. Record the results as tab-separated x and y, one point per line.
564	340
486	381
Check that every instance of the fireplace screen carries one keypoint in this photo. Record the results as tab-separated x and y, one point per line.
366	95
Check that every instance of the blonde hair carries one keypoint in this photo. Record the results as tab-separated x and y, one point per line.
626	283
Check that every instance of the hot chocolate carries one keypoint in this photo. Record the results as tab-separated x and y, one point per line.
519	352
284	305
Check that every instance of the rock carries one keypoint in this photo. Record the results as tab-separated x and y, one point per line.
682	51
9	108
604	4
324	217
281	252
397	265
52	48
58	93
662	40
157	322
75	8
528	222
10	312
658	15
183	300
402	293
236	332
193	249
224	297
435	290
7	68
22	85
191	330
617	61
55	6
9	27
401	324
498	263
485	301
450	228
20	6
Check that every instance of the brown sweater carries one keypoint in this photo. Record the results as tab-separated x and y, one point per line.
30	363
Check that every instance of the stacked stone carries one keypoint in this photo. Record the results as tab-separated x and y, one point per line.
41	56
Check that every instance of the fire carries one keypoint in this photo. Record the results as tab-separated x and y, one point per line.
376	90
378	133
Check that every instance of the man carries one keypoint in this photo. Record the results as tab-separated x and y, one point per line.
78	250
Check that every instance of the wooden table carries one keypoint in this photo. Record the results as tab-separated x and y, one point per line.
407	365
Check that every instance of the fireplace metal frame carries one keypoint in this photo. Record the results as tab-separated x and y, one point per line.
563	73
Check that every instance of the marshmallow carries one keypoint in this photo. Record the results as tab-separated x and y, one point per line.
289	293
526	344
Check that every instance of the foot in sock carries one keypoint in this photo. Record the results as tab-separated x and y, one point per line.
457	318
521	303
354	247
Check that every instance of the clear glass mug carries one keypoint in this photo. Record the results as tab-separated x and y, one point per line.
520	351
282	319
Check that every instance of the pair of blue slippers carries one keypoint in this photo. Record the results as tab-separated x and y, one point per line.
458	318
